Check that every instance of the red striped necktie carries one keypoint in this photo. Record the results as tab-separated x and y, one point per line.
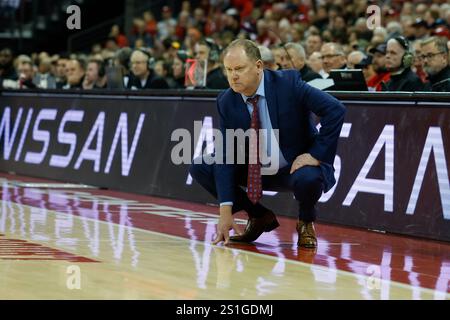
254	183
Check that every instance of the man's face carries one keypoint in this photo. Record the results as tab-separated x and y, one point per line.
242	72
5	57
313	43
177	68
277	55
92	72
74	72
297	61
315	61
284	59
139	62
421	31
379	62
394	55
433	59
331	59
25	71
61	68
201	52
159	69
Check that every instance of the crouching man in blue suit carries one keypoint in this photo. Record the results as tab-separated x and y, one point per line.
263	99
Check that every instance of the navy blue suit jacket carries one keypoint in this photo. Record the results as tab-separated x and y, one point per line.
290	102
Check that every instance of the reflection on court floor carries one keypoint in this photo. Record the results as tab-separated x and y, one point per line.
61	241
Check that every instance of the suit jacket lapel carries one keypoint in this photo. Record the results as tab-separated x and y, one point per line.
271	97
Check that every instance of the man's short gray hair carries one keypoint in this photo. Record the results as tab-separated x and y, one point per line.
266	54
250	48
337	48
439	43
297	47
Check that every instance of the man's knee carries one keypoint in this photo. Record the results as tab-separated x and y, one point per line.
308	178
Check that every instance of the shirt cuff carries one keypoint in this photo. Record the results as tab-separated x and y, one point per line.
228	203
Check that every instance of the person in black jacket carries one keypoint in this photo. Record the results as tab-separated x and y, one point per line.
297	60
142	76
398	62
206	49
7	71
436	64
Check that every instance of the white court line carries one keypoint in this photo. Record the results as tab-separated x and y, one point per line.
260	255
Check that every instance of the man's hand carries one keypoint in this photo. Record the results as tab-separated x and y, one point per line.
226	223
304	160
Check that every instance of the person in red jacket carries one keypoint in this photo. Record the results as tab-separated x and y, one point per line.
379	66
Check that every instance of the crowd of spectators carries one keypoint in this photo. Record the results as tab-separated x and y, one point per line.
408	51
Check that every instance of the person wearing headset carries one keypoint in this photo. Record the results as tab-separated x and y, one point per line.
95	75
142	75
398	62
436	63
206	49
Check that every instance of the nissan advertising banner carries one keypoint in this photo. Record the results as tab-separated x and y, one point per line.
392	164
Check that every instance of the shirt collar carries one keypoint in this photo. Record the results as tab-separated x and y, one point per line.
260	91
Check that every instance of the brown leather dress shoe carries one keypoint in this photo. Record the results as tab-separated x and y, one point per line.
256	226
306	234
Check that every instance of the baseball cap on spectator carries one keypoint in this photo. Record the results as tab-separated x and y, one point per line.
367	61
441	32
438	22
166	9
420	23
381	48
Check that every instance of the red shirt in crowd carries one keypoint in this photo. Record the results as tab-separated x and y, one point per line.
376	80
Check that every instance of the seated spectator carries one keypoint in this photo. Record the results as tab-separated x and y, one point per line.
163	70
61	68
122	60
421	29
418	62
358	60
7	70
75	74
44	79
279	55
26	73
365	64
354	58
398	62
436	63
381	75
316	64
120	39
267	58
313	44
178	69
166	27
95	75
298	61
333	57
208	50
143	76
150	23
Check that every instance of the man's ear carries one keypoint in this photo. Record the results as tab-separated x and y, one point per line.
260	65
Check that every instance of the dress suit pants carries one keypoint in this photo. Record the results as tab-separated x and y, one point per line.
306	184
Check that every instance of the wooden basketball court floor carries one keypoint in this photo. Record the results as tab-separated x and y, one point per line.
62	241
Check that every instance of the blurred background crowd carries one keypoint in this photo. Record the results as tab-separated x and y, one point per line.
408	51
